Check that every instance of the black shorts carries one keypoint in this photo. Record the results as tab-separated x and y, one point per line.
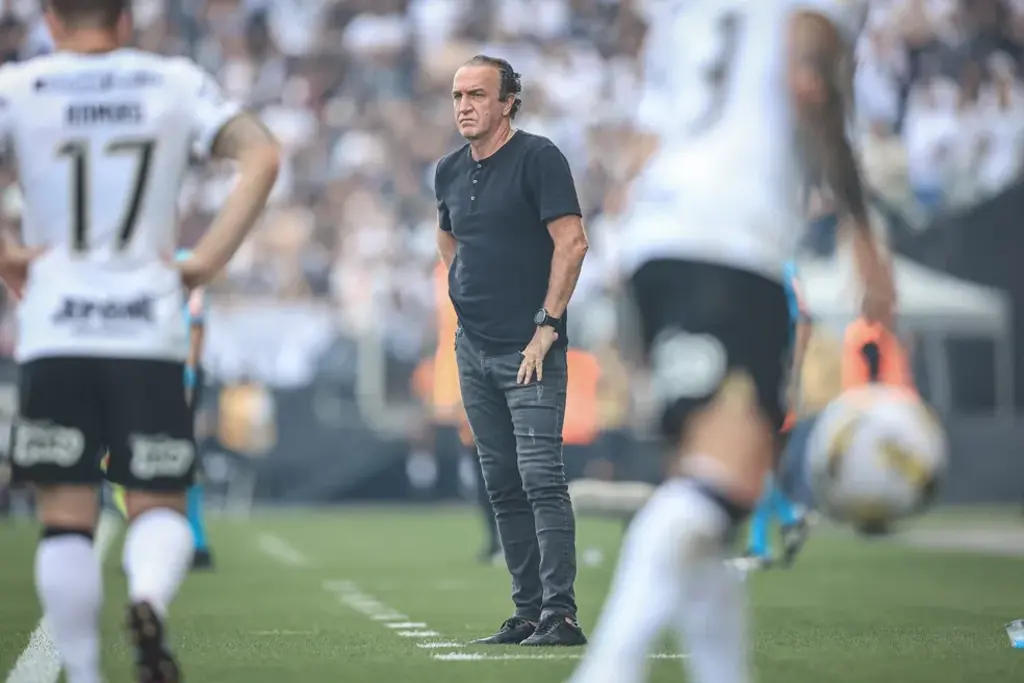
702	322
197	391
72	410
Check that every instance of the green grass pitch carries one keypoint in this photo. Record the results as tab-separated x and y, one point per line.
388	595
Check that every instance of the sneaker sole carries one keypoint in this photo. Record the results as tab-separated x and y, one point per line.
153	663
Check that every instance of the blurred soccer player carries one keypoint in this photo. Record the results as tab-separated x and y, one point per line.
774	504
195	322
739	94
101	136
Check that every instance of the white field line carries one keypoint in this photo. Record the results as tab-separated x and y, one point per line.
498	657
282	551
348	593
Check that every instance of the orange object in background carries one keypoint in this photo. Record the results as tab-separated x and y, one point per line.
446	400
580	426
436	380
874	354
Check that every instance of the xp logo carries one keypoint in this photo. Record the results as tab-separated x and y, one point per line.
41	443
82	311
159	456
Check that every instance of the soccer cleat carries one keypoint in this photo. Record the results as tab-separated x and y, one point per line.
202	560
794	536
556	631
513	632
752	562
154	662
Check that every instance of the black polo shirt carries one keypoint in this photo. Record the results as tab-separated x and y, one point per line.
498	209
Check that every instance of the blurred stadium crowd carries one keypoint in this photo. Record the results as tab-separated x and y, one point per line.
358	91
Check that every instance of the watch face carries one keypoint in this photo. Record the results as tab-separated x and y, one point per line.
539	318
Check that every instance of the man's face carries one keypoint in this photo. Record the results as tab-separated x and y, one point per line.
478	111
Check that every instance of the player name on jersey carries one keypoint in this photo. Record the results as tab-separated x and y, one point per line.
104	113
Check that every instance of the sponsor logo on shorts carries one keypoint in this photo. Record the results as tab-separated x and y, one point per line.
156	457
92	315
687	365
40	443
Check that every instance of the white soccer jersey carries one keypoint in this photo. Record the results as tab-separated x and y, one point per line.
725	183
101	143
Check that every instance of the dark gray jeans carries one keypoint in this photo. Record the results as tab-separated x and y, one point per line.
518	433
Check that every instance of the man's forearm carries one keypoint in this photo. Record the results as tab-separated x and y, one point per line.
446	245
566	264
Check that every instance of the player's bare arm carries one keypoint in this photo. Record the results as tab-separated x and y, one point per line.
246	141
820	84
804	331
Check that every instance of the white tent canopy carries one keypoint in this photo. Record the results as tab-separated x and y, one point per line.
931	304
928	299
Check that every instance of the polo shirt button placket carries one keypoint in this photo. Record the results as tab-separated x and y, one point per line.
472	198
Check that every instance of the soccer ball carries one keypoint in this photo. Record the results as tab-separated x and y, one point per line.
875	455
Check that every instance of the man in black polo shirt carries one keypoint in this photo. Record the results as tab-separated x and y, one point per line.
511	234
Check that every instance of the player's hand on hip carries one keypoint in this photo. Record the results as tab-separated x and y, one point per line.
194	272
15	260
876	273
534	354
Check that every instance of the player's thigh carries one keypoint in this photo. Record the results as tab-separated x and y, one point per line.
150	426
58	436
711	332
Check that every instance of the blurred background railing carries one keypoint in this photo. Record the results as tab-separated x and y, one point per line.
320	323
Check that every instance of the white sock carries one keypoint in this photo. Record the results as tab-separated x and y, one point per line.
70	587
713	623
158	552
661	573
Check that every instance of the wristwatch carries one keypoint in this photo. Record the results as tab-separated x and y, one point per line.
542	318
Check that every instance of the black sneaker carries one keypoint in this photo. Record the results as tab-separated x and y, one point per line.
794	536
202	560
514	631
154	663
556	630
